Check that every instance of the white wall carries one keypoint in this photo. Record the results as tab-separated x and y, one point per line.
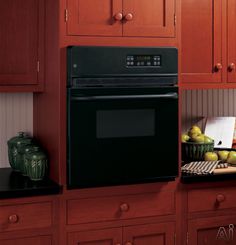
16	114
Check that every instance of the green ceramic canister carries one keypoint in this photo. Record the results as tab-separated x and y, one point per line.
26	150
36	164
20	147
14	144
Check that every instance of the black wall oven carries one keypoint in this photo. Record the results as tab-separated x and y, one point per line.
122	116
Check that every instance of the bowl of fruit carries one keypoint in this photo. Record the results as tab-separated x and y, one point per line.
195	144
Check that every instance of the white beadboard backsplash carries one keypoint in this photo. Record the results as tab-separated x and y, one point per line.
198	104
16	114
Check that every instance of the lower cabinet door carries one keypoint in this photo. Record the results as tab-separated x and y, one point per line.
39	240
98	237
212	231
150	234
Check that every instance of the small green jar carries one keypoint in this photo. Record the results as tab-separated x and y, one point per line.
36	164
27	149
15	149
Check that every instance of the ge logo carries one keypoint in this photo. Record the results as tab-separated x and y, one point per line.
226	234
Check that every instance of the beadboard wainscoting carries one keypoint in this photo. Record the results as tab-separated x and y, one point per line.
16	114
198	104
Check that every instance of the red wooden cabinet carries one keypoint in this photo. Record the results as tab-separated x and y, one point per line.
208	42
39	240
94	17
201	41
151	234
215	230
98	237
121	18
27	221
21	42
155	18
231	46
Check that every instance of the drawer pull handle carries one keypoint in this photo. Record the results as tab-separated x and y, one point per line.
218	67
118	16
13	219
129	17
129	243
220	198
232	67
124	207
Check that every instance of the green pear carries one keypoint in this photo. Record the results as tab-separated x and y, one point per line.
198	138
207	139
194	130
231	157
223	155
184	138
210	156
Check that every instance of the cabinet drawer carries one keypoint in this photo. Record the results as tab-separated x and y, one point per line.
120	207
25	216
211	199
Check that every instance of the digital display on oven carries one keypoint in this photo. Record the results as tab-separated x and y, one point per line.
143	60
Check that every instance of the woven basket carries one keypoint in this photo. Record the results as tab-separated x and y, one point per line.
192	151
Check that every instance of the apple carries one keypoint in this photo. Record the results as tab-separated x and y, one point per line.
194	130
232	157
210	156
198	138
184	138
223	155
207	139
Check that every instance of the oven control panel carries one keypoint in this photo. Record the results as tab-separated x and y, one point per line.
143	61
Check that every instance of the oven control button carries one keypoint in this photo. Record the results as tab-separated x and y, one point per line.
149	63
128	63
131	63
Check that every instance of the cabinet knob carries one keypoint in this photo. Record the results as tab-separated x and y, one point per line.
231	67
129	243
13	218
118	16
124	207
218	67
128	17
220	198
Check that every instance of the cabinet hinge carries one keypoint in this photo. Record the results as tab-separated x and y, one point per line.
38	66
187	237
175	239
175	19
66	15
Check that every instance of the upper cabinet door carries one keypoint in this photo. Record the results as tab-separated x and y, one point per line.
201	41
94	17
152	18
231	61
19	41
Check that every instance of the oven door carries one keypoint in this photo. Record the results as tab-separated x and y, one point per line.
123	137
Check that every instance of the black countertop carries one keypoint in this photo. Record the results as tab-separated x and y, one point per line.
13	185
185	178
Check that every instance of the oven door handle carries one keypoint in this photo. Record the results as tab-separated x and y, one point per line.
125	97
